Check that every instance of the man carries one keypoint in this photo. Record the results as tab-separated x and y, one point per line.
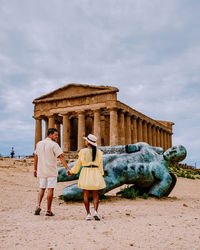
45	167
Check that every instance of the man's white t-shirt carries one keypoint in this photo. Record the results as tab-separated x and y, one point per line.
47	151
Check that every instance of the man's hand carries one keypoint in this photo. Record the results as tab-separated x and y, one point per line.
61	157
69	173
35	173
35	165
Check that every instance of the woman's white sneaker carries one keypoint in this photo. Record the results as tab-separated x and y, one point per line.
88	217
96	216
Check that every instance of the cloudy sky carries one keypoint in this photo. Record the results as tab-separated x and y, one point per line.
149	49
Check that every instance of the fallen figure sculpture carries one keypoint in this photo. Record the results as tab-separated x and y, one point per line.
140	164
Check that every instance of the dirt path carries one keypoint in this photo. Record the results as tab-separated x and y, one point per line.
169	223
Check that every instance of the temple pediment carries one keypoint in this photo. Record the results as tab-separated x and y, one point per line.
75	90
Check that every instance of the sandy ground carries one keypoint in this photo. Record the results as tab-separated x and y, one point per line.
169	223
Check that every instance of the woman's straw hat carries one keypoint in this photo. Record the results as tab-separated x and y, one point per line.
92	139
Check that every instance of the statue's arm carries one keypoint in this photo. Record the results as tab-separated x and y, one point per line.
121	149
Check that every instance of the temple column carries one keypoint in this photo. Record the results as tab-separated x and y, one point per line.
161	138
153	136
97	126
92	125
139	129
167	146
165	140
163	132
81	130
121	128
144	131
57	126
113	127
170	140
46	127
66	133
103	130
38	130
149	133
51	123
127	129
158	137
134	133
107	130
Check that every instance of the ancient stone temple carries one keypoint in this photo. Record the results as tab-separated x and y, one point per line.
77	110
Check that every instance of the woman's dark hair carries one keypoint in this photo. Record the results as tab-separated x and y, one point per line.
94	152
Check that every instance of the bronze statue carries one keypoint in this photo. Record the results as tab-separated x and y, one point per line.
140	164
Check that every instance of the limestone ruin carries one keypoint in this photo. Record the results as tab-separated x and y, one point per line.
78	109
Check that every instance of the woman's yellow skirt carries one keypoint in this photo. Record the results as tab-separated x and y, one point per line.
91	179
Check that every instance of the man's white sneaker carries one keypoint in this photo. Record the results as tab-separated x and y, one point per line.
96	216
88	217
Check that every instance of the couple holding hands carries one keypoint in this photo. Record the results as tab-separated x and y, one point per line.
90	179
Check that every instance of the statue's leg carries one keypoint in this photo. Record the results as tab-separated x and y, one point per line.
161	186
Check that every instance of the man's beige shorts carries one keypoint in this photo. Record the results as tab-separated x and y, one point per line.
49	182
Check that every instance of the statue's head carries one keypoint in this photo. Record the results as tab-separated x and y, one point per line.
175	154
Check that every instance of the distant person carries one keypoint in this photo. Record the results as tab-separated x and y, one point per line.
45	167
12	152
91	176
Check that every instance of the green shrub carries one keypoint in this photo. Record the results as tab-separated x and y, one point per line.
182	174
61	197
129	193
145	196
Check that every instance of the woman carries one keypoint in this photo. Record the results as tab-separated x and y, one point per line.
91	176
